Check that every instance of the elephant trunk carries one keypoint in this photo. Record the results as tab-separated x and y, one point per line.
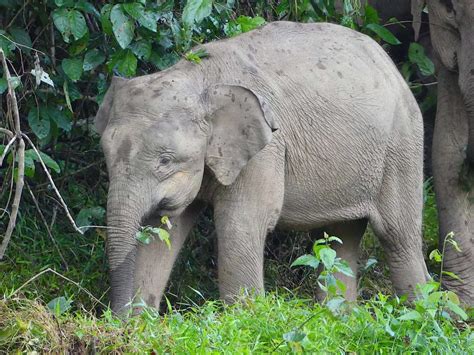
466	84
123	219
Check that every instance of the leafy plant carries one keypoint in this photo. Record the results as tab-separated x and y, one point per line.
147	234
325	256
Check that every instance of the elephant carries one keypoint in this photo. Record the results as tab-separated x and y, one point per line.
291	125
452	36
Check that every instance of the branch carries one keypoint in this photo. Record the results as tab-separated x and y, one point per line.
66	209
7	132
12	104
7	148
17	198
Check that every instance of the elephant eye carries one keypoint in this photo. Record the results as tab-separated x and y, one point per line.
164	161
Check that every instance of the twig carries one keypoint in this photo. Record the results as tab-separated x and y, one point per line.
5	131
17	14
47	227
16	199
13	108
7	148
66	209
63	277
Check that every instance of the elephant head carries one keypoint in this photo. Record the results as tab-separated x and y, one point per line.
159	132
452	35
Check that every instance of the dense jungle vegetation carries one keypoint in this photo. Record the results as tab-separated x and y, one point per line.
61	55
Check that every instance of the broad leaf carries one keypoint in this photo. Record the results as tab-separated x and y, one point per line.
142	49
327	256
122	26
59	305
249	23
195	11
306	260
146	18
417	55
383	33
93	59
39	124
412	315
127	63
72	68
70	23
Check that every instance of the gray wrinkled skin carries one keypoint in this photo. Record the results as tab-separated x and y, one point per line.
292	125
452	35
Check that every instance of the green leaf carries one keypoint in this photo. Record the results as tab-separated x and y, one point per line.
93	59
195	56
164	236
456	309
127	63
383	33
60	117
451	274
20	36
39	124
49	162
248	23
306	260
370	262
143	237
142	49
7	46
70	23
59	305
436	256
195	11
87	215
334	239
411	315
147	19
105	19
122	26
72	68
335	303
31	157
327	256
295	336
371	15
417	55
343	267
3	85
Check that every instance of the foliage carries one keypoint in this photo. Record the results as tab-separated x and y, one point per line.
147	234
275	323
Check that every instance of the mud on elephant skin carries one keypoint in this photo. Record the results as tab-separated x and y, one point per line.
332	139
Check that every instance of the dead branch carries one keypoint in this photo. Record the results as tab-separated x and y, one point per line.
17	198
20	155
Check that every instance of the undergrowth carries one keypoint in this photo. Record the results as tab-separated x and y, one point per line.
275	323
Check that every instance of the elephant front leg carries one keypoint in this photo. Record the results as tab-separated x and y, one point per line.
244	213
155	261
454	186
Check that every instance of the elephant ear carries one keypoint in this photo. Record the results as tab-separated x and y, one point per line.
241	125
103	115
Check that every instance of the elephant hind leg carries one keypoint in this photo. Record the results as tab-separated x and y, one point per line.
350	233
397	221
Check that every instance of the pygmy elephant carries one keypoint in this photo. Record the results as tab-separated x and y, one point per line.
452	36
291	125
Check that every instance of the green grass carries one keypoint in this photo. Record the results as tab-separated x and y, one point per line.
274	323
